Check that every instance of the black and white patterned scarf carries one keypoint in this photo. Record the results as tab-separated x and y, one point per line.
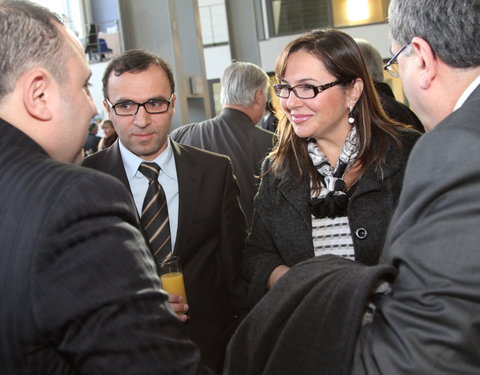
333	200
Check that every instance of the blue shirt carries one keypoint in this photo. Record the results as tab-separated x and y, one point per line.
167	178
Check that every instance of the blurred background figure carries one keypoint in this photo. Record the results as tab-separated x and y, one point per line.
110	135
395	109
269	120
332	181
91	145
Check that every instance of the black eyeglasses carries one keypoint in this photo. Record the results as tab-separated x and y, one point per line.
152	106
391	66
303	91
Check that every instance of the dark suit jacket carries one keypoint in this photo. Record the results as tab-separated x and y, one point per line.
79	291
282	223
232	133
210	242
430	324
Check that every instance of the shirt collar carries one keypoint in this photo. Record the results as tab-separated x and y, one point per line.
165	160
472	86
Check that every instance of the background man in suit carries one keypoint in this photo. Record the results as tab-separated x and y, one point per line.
78	286
233	132
207	226
91	145
395	109
430	323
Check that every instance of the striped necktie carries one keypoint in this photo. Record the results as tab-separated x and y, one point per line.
154	216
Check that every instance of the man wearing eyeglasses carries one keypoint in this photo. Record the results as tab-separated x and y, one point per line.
205	224
430	322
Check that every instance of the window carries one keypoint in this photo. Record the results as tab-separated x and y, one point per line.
287	17
71	11
359	12
296	16
213	20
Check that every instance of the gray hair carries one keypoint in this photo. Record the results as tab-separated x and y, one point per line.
28	39
240	81
372	58
449	26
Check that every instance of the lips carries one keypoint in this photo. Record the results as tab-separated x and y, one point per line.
299	118
143	137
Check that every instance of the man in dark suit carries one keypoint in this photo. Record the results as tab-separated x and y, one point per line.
206	224
430	322
91	145
78	286
395	109
233	132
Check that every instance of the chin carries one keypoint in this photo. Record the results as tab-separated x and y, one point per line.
302	134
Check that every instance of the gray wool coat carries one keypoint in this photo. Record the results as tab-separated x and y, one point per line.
281	231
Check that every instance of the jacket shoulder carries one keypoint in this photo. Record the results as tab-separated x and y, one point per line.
95	159
187	131
199	154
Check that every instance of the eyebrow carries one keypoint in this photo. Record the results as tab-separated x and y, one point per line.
301	81
123	99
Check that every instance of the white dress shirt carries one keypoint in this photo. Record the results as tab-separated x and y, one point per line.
467	93
167	178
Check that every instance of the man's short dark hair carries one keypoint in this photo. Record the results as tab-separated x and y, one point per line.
132	61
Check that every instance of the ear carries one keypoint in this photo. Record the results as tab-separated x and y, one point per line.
426	62
39	94
107	108
259	96
174	99
354	92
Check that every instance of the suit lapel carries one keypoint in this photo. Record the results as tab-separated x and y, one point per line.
114	164
189	178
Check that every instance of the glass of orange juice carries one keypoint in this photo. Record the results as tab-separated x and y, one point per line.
171	277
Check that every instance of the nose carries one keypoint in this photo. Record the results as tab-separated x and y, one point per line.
293	101
142	118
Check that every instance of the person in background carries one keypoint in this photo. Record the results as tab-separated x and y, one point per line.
91	145
332	181
204	224
233	132
79	289
269	120
396	110
110	135
430	322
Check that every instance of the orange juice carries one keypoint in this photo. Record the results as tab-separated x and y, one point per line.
173	284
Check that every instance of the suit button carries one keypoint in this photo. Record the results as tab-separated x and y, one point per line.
361	233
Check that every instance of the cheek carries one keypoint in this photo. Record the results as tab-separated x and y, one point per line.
283	104
164	123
